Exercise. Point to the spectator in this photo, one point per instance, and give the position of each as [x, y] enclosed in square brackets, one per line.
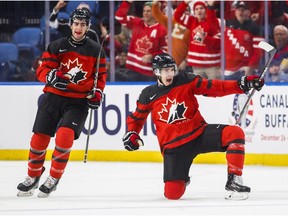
[280, 34]
[180, 34]
[62, 25]
[120, 64]
[275, 74]
[147, 40]
[256, 7]
[122, 57]
[242, 36]
[204, 47]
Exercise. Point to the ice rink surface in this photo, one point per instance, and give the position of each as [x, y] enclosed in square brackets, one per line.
[110, 188]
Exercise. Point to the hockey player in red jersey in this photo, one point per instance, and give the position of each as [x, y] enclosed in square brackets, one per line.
[68, 67]
[181, 130]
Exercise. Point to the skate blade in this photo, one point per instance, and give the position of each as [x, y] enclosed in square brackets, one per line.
[43, 195]
[234, 195]
[25, 193]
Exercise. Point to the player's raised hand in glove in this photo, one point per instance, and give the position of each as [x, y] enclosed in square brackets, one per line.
[57, 79]
[248, 82]
[95, 98]
[132, 141]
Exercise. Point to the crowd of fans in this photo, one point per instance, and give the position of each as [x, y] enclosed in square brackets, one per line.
[141, 32]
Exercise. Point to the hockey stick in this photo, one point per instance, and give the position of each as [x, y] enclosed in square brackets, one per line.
[93, 89]
[271, 50]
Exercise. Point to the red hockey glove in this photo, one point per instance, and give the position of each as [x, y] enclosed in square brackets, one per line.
[57, 79]
[132, 141]
[95, 98]
[248, 82]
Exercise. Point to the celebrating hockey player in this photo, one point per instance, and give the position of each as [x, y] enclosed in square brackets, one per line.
[181, 130]
[68, 67]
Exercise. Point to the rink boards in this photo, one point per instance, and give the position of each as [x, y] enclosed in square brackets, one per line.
[265, 124]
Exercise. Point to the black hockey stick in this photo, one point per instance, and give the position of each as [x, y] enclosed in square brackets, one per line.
[93, 89]
[271, 50]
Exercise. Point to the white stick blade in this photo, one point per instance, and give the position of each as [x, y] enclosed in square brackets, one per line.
[266, 46]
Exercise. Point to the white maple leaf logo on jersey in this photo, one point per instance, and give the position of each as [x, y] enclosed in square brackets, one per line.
[75, 71]
[143, 45]
[172, 111]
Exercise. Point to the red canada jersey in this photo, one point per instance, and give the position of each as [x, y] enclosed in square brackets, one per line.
[174, 109]
[145, 39]
[78, 61]
[206, 54]
[241, 45]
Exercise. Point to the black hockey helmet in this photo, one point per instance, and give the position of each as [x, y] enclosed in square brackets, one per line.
[80, 14]
[163, 60]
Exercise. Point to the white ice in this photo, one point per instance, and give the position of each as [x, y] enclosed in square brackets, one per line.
[111, 188]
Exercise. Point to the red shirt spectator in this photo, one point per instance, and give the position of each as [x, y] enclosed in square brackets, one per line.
[147, 40]
[242, 37]
[204, 47]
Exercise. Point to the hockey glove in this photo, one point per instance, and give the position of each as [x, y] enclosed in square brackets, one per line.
[57, 79]
[95, 98]
[248, 82]
[132, 141]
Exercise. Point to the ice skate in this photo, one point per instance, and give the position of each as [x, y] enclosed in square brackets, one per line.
[27, 187]
[235, 188]
[47, 187]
